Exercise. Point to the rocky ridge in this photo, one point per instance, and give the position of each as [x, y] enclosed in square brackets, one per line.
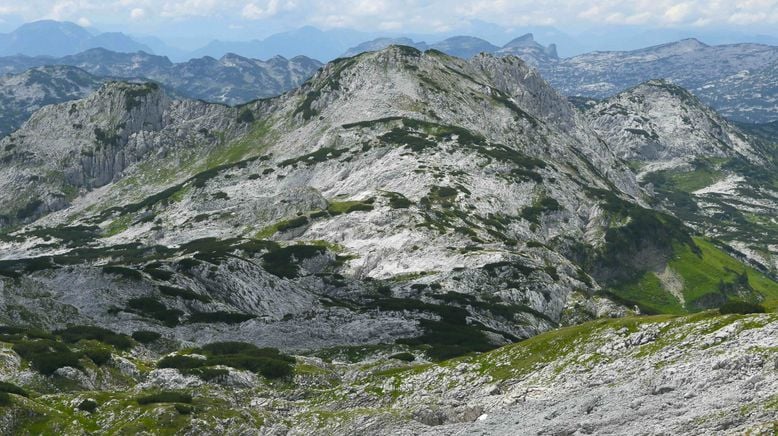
[23, 94]
[737, 80]
[466, 47]
[231, 79]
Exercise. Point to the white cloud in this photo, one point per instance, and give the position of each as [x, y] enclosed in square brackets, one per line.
[137, 14]
[84, 22]
[678, 13]
[410, 15]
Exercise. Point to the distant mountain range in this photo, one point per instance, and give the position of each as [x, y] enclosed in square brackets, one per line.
[738, 80]
[23, 94]
[308, 41]
[56, 38]
[232, 79]
[32, 82]
[524, 47]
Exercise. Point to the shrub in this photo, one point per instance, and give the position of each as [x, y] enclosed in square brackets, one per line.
[220, 316]
[48, 363]
[5, 399]
[399, 201]
[100, 356]
[87, 405]
[246, 116]
[127, 273]
[208, 374]
[165, 397]
[240, 355]
[19, 332]
[183, 409]
[405, 357]
[180, 362]
[268, 367]
[47, 356]
[186, 294]
[741, 307]
[83, 332]
[282, 262]
[11, 388]
[223, 348]
[155, 309]
[146, 336]
[159, 274]
[341, 207]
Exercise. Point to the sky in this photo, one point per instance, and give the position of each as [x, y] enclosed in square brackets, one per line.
[242, 19]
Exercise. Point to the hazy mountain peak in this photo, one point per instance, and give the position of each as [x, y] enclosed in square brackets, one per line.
[60, 38]
[522, 41]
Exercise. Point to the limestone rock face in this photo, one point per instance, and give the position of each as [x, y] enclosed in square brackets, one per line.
[658, 122]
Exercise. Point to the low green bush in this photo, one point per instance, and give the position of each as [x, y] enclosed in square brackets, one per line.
[208, 374]
[154, 308]
[186, 294]
[16, 334]
[183, 409]
[47, 356]
[282, 262]
[180, 362]
[741, 307]
[165, 397]
[83, 332]
[100, 356]
[159, 274]
[87, 405]
[11, 388]
[268, 367]
[127, 273]
[239, 355]
[220, 316]
[405, 357]
[146, 336]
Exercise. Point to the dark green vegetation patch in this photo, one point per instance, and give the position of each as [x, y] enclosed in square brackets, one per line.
[165, 397]
[741, 307]
[239, 355]
[146, 336]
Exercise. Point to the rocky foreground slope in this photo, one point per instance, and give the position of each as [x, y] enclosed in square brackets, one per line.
[400, 204]
[697, 375]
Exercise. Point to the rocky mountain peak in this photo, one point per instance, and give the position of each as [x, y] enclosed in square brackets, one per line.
[525, 40]
[660, 121]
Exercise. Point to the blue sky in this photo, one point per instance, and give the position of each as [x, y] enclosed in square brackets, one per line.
[241, 19]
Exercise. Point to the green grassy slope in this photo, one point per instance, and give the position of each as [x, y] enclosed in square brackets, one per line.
[708, 278]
